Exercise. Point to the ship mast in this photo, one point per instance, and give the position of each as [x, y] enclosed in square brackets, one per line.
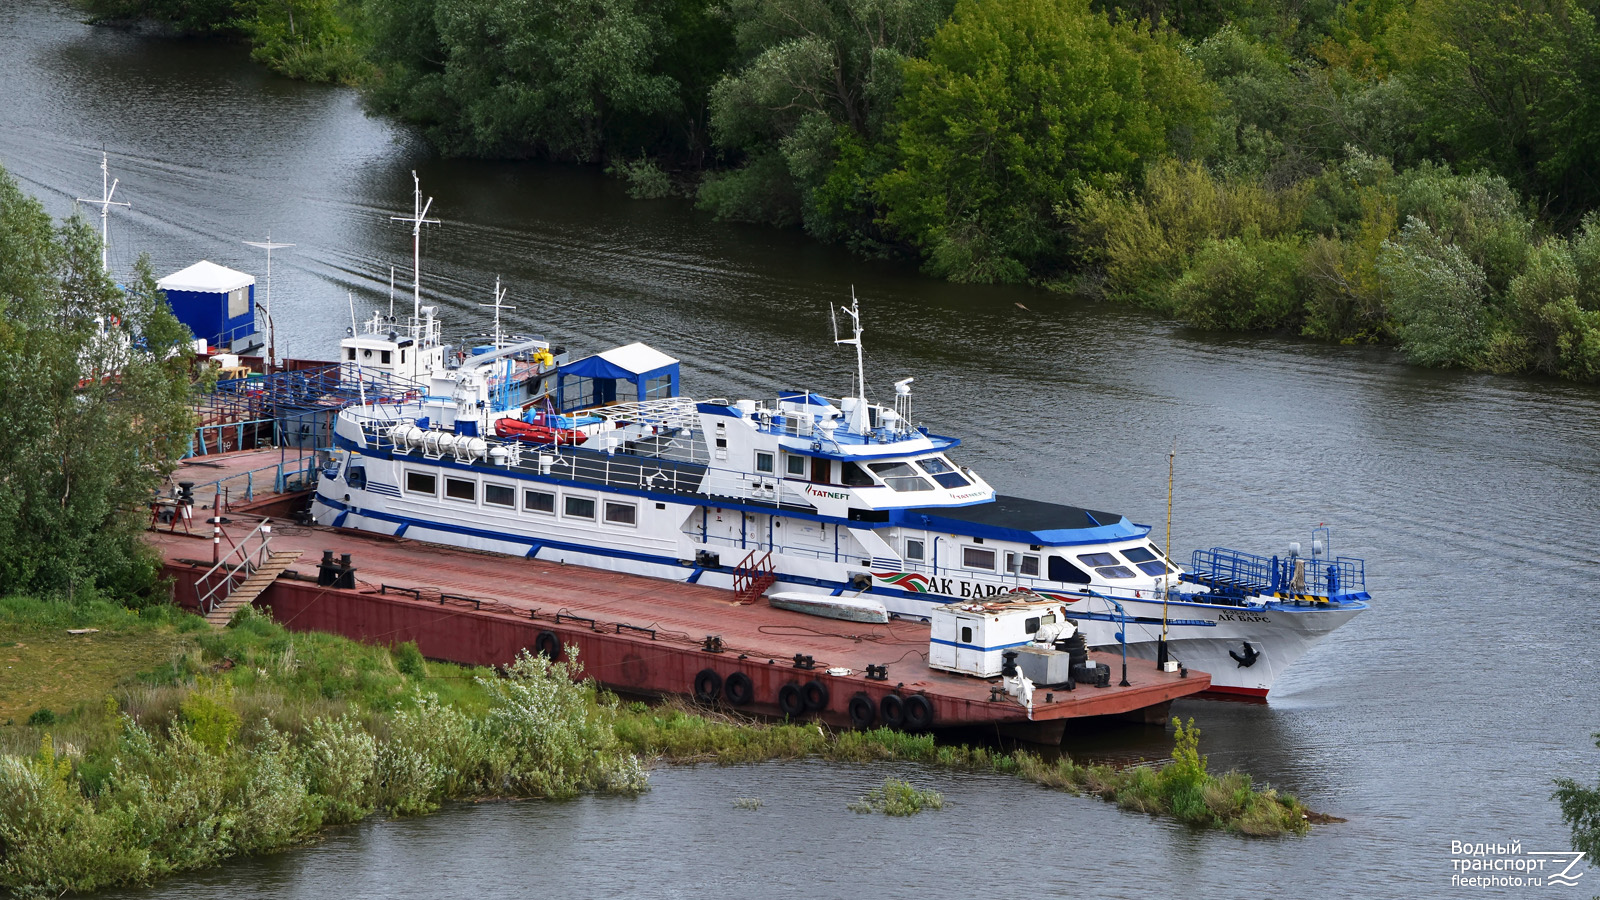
[108, 186]
[498, 304]
[858, 418]
[417, 219]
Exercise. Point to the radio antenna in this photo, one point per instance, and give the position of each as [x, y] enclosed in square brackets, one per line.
[416, 220]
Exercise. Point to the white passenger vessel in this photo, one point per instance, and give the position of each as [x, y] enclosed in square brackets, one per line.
[607, 465]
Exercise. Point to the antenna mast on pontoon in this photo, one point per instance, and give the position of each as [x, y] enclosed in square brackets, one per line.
[417, 219]
[108, 186]
[272, 330]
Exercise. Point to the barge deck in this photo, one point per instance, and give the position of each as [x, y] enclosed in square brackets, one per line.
[634, 634]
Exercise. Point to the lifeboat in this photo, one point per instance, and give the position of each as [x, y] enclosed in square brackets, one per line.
[537, 432]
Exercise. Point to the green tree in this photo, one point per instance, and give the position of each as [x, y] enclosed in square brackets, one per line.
[1580, 807]
[1439, 297]
[95, 382]
[194, 17]
[312, 40]
[485, 77]
[1020, 106]
[1513, 86]
[807, 106]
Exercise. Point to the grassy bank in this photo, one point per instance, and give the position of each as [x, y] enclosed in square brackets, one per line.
[155, 744]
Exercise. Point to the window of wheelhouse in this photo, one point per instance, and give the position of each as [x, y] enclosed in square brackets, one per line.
[1107, 565]
[942, 472]
[1145, 560]
[854, 476]
[900, 476]
[1063, 571]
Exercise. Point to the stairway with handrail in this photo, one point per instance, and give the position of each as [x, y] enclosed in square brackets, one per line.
[753, 576]
[241, 576]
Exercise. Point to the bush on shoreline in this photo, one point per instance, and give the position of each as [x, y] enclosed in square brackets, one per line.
[255, 738]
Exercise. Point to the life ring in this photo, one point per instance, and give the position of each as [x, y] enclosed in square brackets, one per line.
[893, 709]
[863, 712]
[548, 645]
[816, 695]
[919, 713]
[707, 686]
[739, 689]
[790, 700]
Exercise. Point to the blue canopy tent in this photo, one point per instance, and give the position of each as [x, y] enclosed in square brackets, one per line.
[620, 375]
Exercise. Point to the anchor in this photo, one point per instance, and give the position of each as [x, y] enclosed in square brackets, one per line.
[1248, 658]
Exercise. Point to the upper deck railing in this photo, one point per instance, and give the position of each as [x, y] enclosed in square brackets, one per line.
[1293, 576]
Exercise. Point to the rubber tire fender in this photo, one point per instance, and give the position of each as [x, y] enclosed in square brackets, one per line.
[548, 645]
[790, 701]
[738, 689]
[919, 713]
[707, 686]
[816, 695]
[893, 708]
[863, 712]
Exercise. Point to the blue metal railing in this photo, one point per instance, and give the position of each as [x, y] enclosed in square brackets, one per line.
[1234, 570]
[295, 472]
[285, 393]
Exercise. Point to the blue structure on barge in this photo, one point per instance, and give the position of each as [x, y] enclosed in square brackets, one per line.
[217, 303]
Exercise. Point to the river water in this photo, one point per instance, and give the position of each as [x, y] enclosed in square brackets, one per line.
[1442, 714]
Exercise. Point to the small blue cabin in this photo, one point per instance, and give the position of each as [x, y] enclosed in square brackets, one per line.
[620, 375]
[217, 303]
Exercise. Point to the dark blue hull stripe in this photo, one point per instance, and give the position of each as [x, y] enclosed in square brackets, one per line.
[834, 586]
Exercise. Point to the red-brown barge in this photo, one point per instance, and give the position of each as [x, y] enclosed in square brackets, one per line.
[634, 634]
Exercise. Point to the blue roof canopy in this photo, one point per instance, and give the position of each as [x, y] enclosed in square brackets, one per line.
[594, 380]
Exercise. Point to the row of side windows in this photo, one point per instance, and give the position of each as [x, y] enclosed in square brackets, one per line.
[982, 559]
[542, 502]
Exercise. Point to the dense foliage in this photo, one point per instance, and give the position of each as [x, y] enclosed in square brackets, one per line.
[1416, 172]
[95, 381]
[201, 760]
[1580, 807]
[253, 738]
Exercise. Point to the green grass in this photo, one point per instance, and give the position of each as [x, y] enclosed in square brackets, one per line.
[897, 797]
[273, 734]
